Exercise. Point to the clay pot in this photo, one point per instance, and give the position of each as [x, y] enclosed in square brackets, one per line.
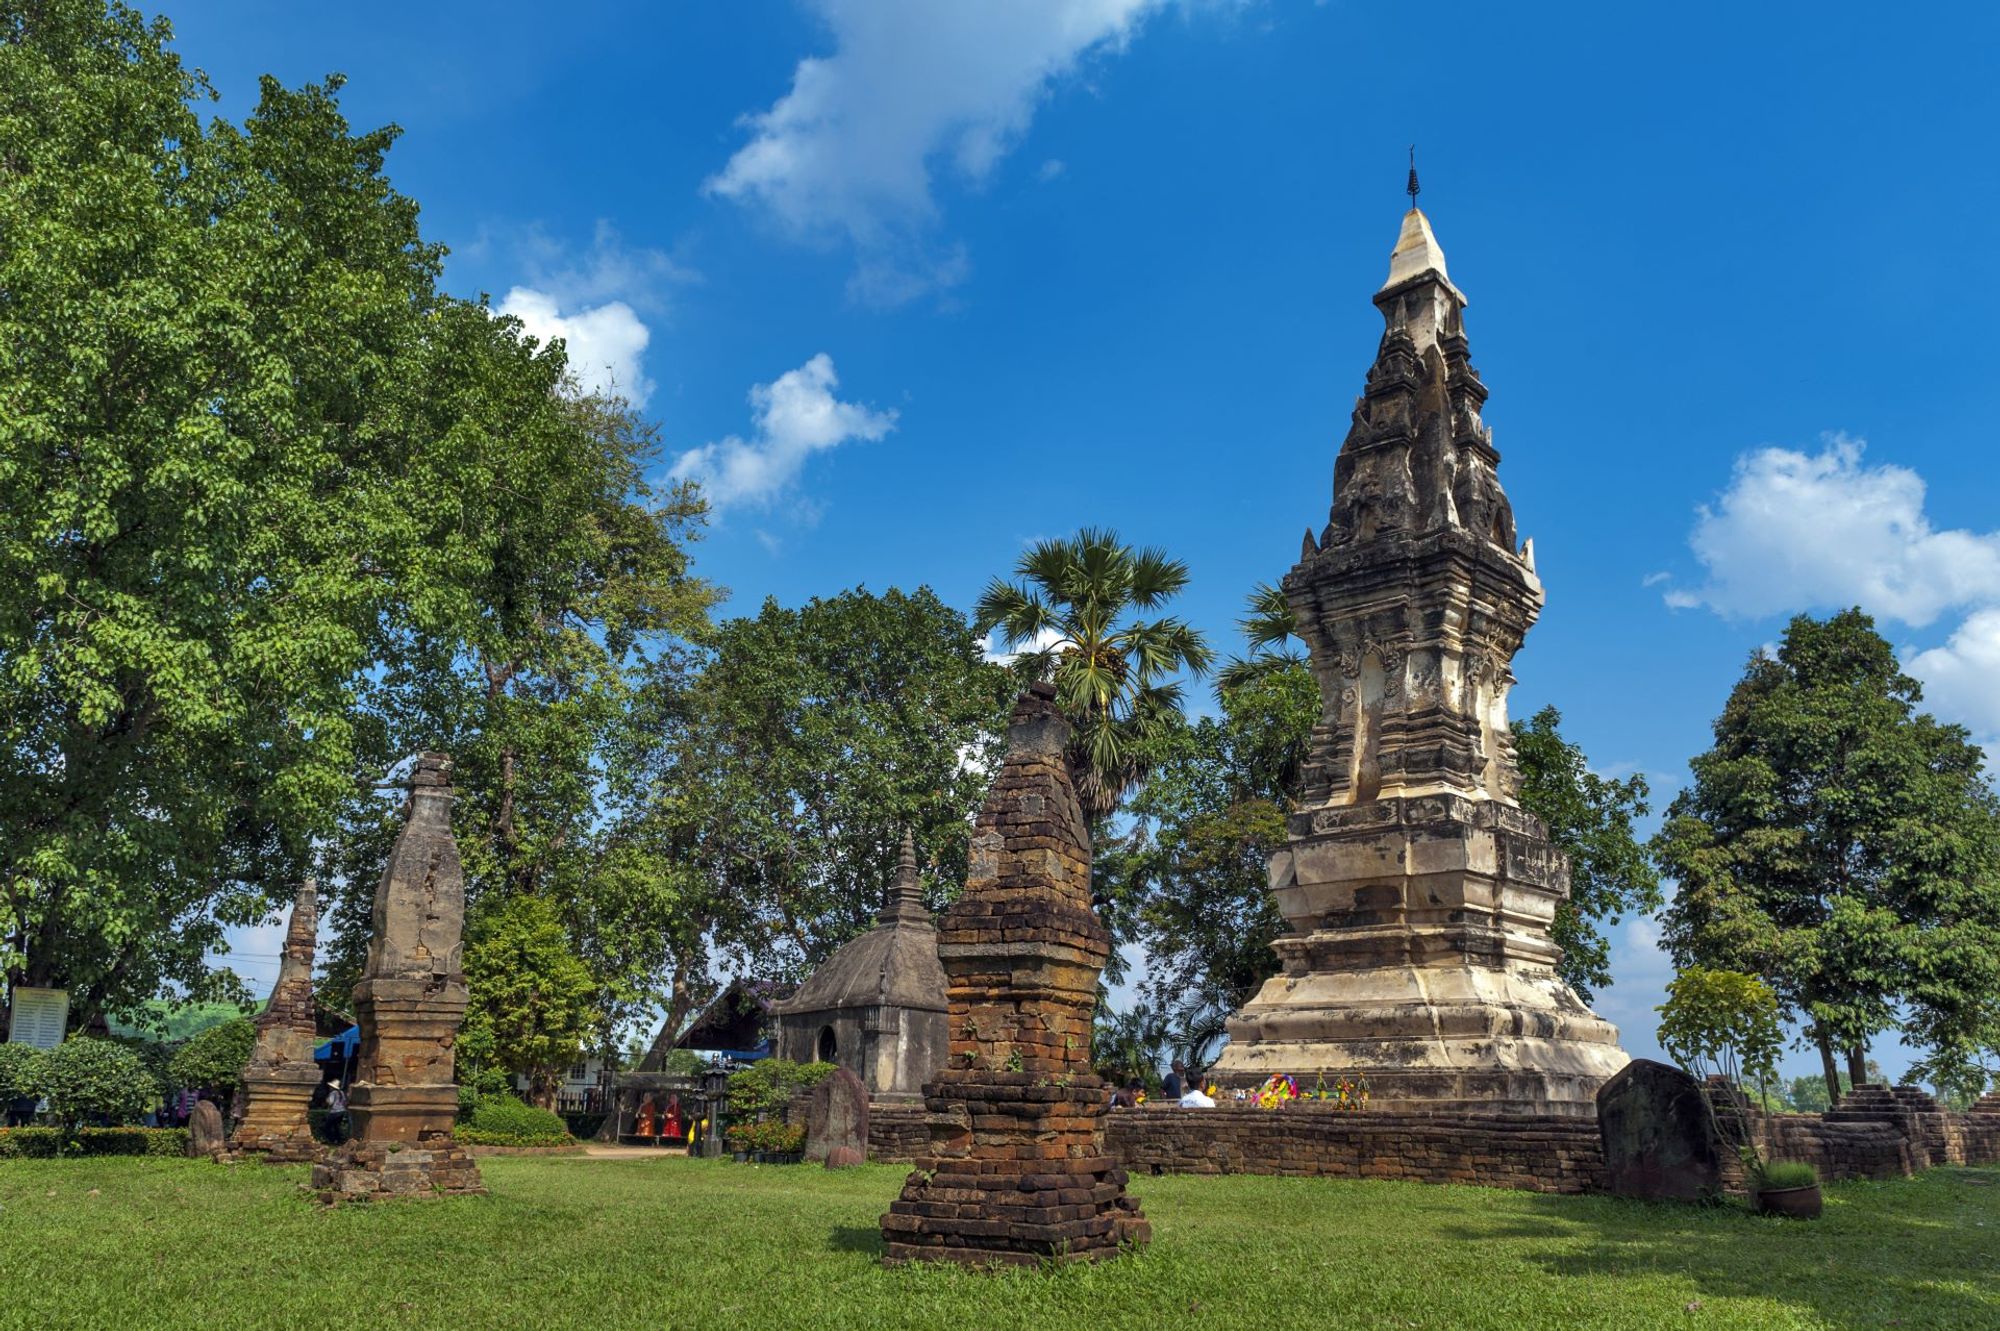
[1798, 1203]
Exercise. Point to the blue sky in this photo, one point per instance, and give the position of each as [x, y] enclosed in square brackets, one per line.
[910, 283]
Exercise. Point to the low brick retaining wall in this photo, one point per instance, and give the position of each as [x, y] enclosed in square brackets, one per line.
[1875, 1134]
[481, 1152]
[1537, 1154]
[896, 1133]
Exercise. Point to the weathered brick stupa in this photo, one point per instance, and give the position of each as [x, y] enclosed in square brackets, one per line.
[409, 1004]
[1418, 893]
[1017, 1172]
[280, 1078]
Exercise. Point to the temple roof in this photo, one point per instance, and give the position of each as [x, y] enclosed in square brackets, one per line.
[1417, 251]
[895, 964]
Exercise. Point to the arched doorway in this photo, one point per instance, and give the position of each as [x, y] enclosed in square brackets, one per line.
[829, 1046]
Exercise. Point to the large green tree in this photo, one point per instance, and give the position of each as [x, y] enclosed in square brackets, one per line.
[584, 589]
[531, 992]
[214, 498]
[770, 795]
[1843, 846]
[1075, 614]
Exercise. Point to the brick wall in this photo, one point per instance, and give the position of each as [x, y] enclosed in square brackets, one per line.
[897, 1133]
[1537, 1154]
[1885, 1138]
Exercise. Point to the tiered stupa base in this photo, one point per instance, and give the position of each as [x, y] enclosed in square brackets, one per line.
[1423, 965]
[1037, 1202]
[384, 1171]
[277, 1122]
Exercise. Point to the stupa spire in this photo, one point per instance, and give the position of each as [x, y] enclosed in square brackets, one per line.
[905, 900]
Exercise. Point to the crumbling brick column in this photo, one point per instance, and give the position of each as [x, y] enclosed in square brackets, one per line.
[1017, 1171]
[410, 1002]
[280, 1078]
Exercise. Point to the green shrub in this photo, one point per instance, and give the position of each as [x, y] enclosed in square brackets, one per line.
[471, 1136]
[502, 1120]
[49, 1143]
[17, 1072]
[1786, 1174]
[30, 1143]
[773, 1135]
[766, 1086]
[85, 1079]
[213, 1060]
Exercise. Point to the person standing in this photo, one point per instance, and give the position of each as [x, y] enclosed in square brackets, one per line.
[336, 1113]
[1176, 1082]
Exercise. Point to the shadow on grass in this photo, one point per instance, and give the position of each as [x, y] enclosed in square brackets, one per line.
[1894, 1254]
[856, 1238]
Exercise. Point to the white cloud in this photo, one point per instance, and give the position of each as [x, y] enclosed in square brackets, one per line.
[1962, 678]
[610, 270]
[606, 343]
[993, 649]
[794, 416]
[848, 152]
[1795, 530]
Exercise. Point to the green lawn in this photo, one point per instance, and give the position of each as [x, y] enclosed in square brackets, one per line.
[670, 1243]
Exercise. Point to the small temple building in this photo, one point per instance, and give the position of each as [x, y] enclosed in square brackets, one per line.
[877, 1006]
[1418, 893]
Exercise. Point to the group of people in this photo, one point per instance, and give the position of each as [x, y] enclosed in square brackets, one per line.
[1176, 1087]
[665, 1126]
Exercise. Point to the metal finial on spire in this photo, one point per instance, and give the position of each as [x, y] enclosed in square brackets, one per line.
[1411, 188]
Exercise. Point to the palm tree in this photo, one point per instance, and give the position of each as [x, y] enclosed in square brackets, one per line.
[1068, 618]
[1269, 625]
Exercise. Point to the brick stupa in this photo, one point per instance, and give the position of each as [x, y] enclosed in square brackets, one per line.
[1017, 1172]
[1419, 894]
[410, 1002]
[280, 1078]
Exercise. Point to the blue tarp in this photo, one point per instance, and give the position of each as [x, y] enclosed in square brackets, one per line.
[341, 1046]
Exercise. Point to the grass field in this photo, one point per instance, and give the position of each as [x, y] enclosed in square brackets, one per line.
[670, 1243]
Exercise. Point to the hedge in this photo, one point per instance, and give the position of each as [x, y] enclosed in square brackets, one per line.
[502, 1120]
[470, 1136]
[51, 1143]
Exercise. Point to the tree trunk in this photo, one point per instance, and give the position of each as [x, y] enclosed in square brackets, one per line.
[1825, 1044]
[1857, 1064]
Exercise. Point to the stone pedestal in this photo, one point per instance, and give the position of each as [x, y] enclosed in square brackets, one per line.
[386, 1171]
[277, 1124]
[1017, 1172]
[1422, 962]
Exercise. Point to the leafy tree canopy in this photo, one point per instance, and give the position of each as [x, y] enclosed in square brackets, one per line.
[770, 793]
[267, 498]
[213, 1059]
[1074, 614]
[531, 991]
[1845, 848]
[1590, 818]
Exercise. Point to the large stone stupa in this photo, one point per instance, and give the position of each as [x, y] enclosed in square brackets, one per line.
[1417, 891]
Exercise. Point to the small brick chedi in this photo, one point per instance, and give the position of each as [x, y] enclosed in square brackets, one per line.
[409, 1004]
[1017, 1171]
[280, 1078]
[1418, 893]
